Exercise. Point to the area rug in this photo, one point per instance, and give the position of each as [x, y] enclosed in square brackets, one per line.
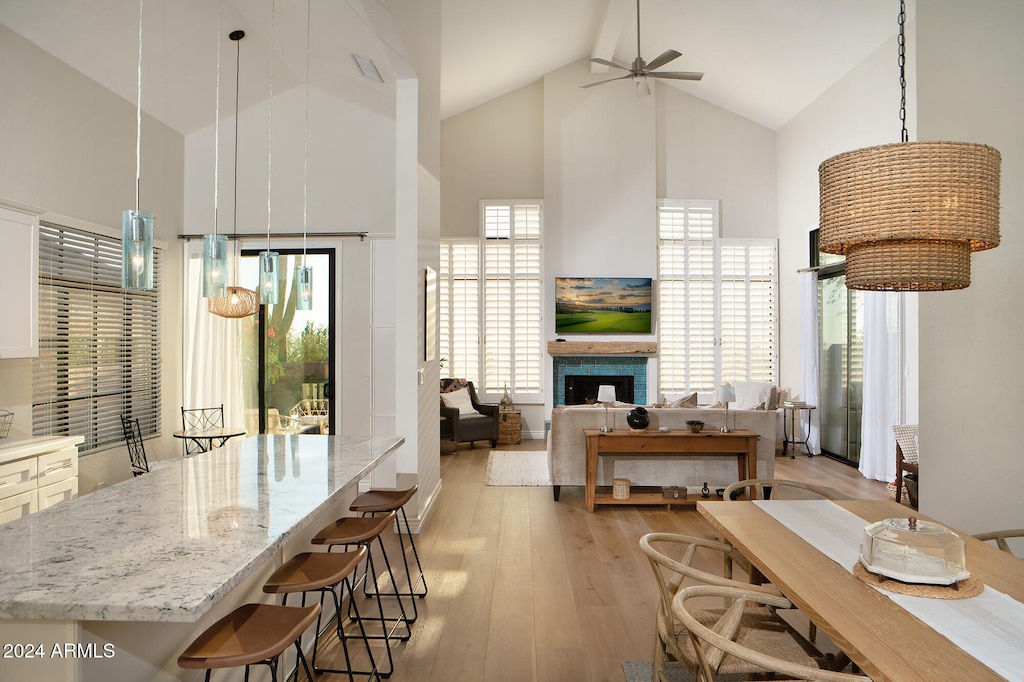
[642, 671]
[517, 467]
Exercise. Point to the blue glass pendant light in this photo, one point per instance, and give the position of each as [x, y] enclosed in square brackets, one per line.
[268, 290]
[303, 272]
[215, 246]
[136, 225]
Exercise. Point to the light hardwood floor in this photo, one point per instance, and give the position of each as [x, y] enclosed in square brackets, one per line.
[525, 588]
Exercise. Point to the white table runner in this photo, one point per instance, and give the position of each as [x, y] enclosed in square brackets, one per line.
[989, 627]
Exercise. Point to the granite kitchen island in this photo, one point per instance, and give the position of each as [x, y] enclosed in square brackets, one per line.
[121, 579]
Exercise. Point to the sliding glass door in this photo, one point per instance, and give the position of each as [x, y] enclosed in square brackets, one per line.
[290, 352]
[841, 367]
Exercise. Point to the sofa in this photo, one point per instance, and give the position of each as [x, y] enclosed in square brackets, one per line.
[567, 447]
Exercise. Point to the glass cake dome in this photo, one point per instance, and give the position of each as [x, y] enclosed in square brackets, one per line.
[914, 551]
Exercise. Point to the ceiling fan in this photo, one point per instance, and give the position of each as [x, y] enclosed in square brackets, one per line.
[641, 70]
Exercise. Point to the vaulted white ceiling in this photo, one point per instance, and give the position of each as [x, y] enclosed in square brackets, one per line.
[763, 59]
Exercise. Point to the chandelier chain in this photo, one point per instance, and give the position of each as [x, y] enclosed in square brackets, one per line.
[901, 43]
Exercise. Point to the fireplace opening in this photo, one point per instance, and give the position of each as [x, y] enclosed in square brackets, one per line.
[581, 389]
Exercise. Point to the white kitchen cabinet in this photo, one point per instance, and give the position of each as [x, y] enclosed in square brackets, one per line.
[19, 280]
[36, 473]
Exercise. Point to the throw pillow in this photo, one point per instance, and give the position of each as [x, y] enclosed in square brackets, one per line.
[459, 399]
[686, 401]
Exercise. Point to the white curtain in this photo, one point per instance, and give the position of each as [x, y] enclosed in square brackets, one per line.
[881, 396]
[211, 366]
[809, 355]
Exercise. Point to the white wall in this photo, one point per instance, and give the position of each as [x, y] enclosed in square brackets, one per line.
[351, 180]
[970, 89]
[706, 152]
[860, 110]
[493, 151]
[69, 146]
[600, 158]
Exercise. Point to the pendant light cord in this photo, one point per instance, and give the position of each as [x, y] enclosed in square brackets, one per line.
[901, 44]
[138, 118]
[216, 126]
[234, 174]
[270, 126]
[305, 146]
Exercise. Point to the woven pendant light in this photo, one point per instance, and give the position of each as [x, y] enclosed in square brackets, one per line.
[238, 302]
[908, 215]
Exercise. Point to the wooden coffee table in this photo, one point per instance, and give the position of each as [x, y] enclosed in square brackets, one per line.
[741, 444]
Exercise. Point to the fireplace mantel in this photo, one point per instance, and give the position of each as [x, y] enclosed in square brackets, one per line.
[619, 348]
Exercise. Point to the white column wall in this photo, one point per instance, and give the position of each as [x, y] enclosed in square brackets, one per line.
[970, 89]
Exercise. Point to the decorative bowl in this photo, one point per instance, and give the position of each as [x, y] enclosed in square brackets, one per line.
[694, 425]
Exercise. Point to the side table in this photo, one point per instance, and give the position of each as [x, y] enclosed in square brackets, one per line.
[789, 435]
[510, 427]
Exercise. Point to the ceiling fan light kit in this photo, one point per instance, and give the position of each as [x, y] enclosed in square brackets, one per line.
[640, 70]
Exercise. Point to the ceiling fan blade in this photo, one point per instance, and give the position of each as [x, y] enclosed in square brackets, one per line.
[590, 85]
[663, 59]
[606, 62]
[678, 75]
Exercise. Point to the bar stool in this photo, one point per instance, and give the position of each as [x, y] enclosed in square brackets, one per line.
[381, 502]
[324, 573]
[251, 634]
[362, 531]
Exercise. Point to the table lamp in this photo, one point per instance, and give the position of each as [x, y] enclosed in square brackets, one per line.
[605, 395]
[726, 394]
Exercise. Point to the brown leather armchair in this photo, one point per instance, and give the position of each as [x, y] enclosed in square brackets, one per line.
[466, 428]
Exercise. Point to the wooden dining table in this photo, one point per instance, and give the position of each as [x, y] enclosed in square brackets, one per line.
[879, 635]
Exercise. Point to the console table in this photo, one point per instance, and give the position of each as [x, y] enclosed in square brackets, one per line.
[741, 444]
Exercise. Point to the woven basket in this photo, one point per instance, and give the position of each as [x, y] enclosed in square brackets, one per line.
[620, 489]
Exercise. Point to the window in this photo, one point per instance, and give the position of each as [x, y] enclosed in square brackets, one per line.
[717, 301]
[490, 311]
[99, 346]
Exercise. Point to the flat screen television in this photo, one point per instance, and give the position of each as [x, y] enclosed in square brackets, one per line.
[603, 305]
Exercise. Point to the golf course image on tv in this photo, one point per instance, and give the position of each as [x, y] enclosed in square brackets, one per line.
[602, 305]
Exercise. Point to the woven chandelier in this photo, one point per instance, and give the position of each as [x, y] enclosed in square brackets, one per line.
[908, 215]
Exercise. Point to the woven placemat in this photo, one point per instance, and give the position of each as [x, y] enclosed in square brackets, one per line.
[966, 588]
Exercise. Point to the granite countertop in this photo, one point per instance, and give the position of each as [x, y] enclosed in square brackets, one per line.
[12, 449]
[166, 546]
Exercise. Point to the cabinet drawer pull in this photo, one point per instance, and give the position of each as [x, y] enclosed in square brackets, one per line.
[65, 465]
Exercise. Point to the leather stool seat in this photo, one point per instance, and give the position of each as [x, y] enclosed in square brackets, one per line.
[253, 633]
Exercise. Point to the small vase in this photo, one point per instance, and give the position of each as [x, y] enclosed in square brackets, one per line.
[638, 419]
[506, 400]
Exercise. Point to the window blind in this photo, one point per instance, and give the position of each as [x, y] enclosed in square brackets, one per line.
[459, 308]
[99, 346]
[491, 300]
[717, 301]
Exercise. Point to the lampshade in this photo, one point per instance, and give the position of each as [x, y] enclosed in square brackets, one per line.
[268, 277]
[908, 215]
[726, 393]
[137, 250]
[304, 287]
[238, 302]
[215, 265]
[605, 394]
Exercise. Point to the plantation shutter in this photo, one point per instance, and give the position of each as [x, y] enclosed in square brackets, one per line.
[491, 301]
[717, 302]
[459, 308]
[99, 345]
[748, 309]
[512, 297]
[686, 295]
